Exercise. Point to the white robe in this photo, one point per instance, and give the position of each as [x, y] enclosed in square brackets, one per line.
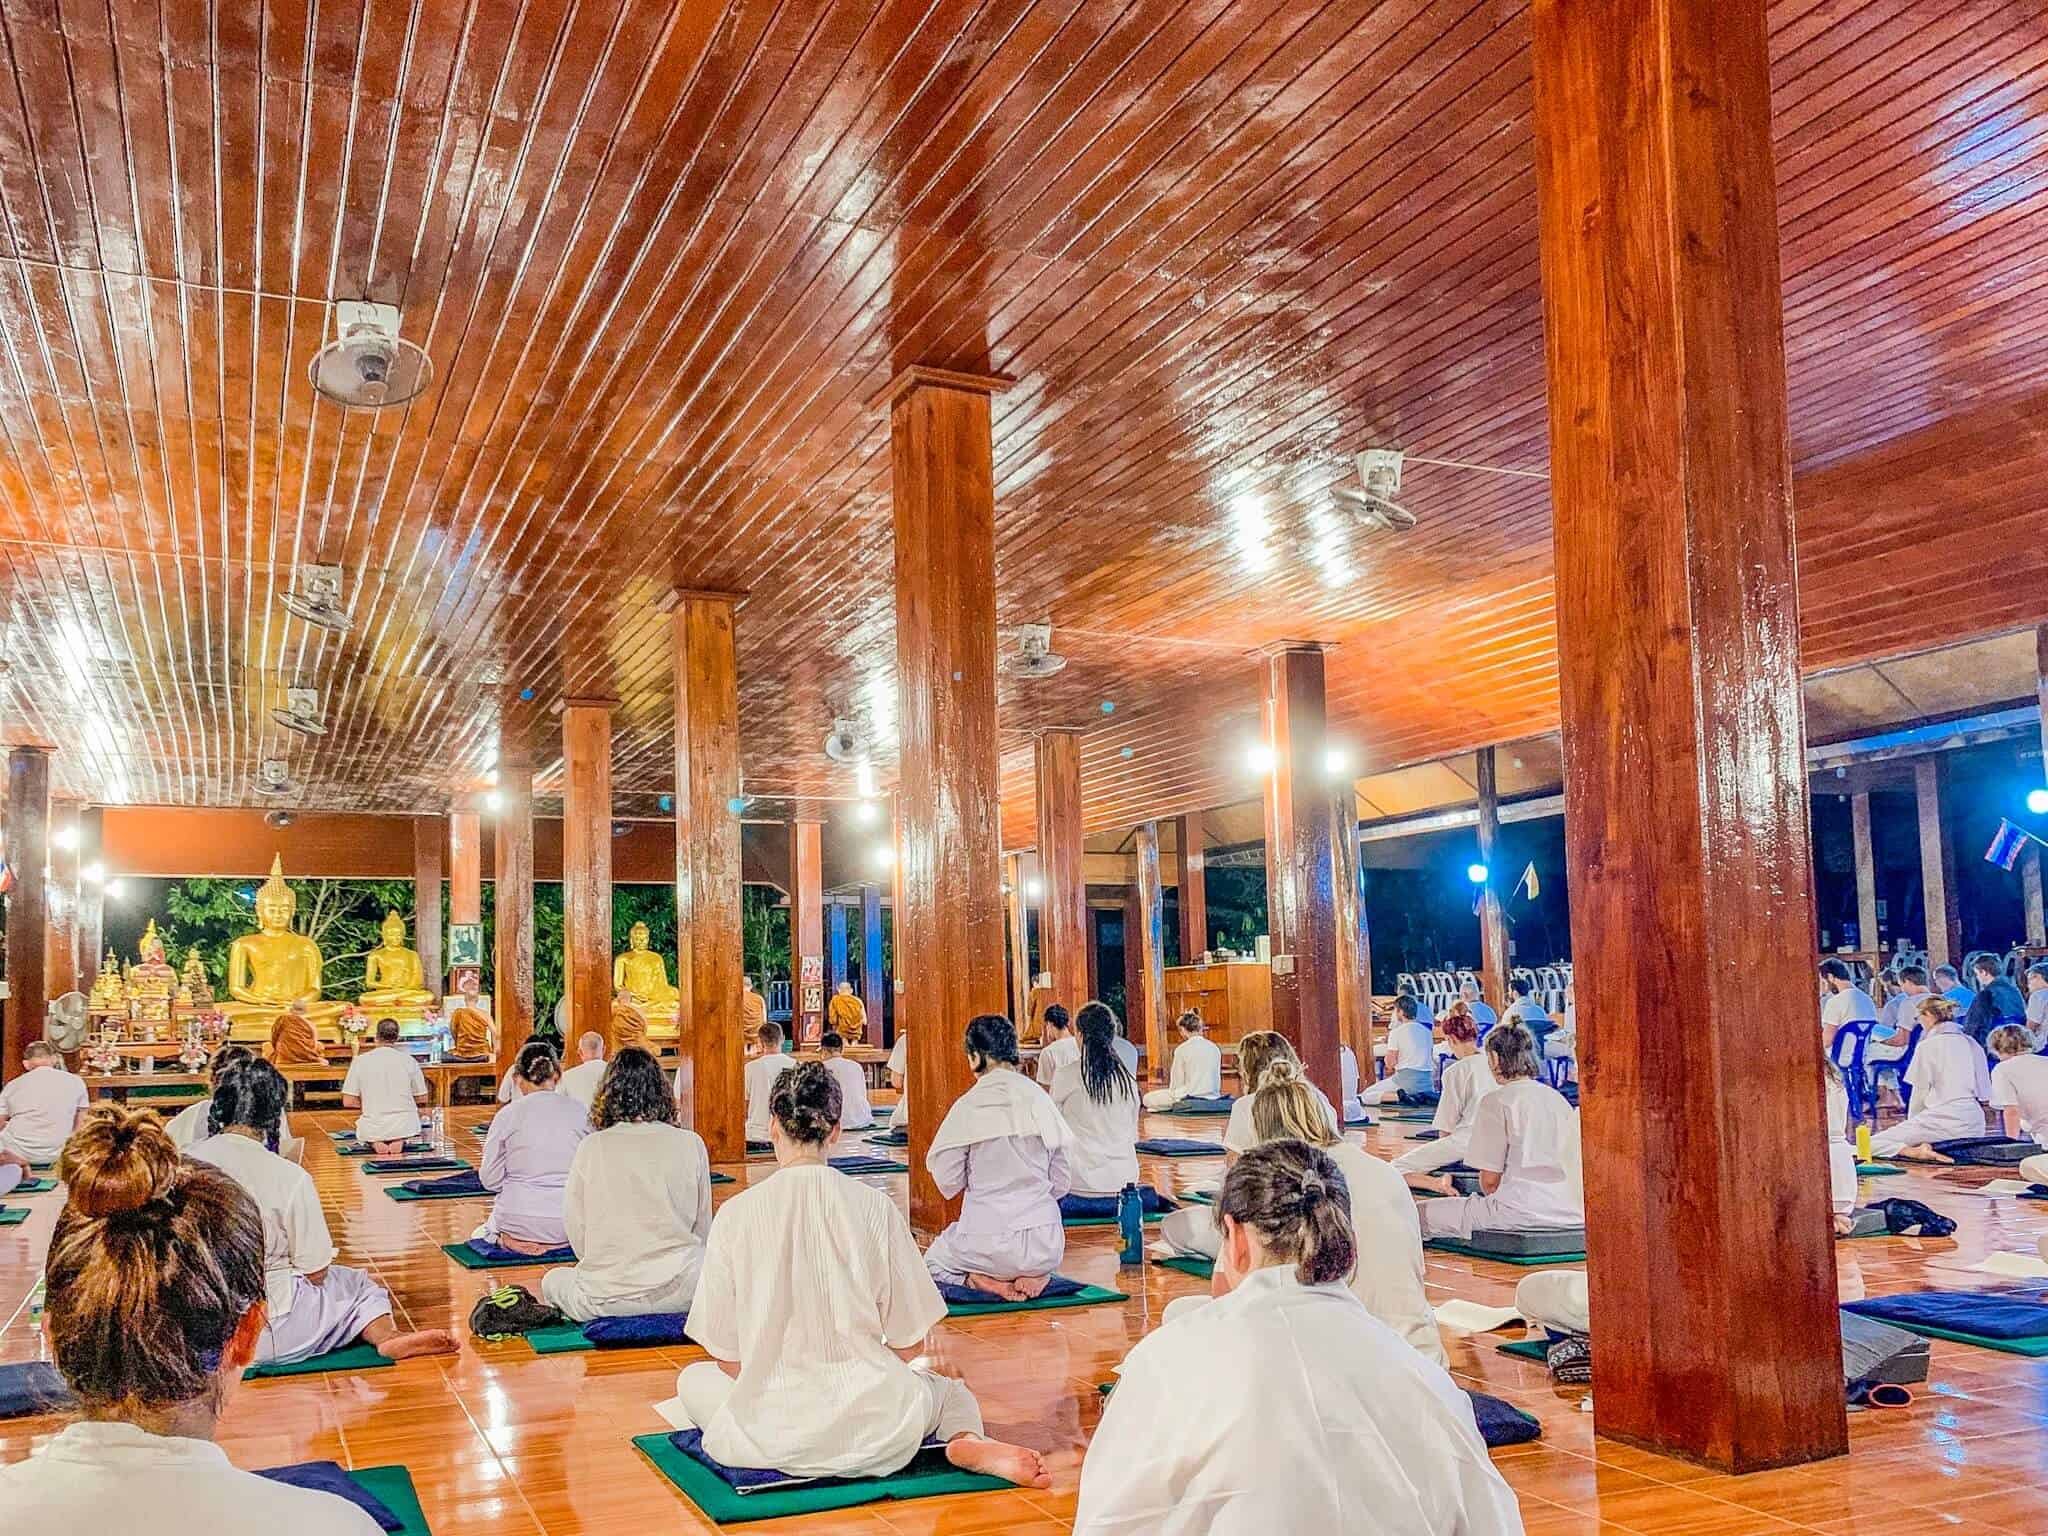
[527, 1153]
[1238, 1135]
[188, 1127]
[388, 1084]
[759, 1077]
[1841, 1152]
[1197, 1073]
[1104, 1154]
[582, 1081]
[899, 1066]
[2022, 1084]
[1526, 1132]
[1056, 1055]
[1284, 1408]
[115, 1479]
[1950, 1079]
[637, 1209]
[855, 1113]
[1467, 1080]
[1005, 1148]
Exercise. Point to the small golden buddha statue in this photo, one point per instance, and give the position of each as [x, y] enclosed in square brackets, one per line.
[641, 977]
[274, 969]
[392, 974]
[151, 983]
[109, 993]
[193, 986]
[846, 1015]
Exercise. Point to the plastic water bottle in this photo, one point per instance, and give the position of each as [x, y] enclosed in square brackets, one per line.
[1130, 1224]
[36, 1300]
[440, 1129]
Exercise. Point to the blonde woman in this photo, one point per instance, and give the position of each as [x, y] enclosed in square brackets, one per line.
[1951, 1081]
[1256, 1053]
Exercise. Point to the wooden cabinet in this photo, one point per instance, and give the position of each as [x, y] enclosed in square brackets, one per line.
[1234, 998]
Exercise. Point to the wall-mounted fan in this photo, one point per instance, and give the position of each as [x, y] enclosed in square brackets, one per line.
[301, 712]
[64, 1023]
[1034, 656]
[1371, 501]
[316, 598]
[369, 366]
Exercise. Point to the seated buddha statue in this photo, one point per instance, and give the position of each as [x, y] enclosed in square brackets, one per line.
[109, 994]
[392, 975]
[151, 983]
[641, 976]
[193, 986]
[846, 1015]
[274, 969]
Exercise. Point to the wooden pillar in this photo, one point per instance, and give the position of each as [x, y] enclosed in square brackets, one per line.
[512, 899]
[949, 917]
[1493, 918]
[466, 871]
[427, 833]
[1145, 933]
[586, 868]
[60, 945]
[1354, 946]
[872, 981]
[1064, 931]
[1020, 940]
[1300, 865]
[710, 954]
[27, 851]
[1866, 871]
[1937, 863]
[807, 929]
[1685, 779]
[2030, 861]
[92, 897]
[836, 957]
[1194, 899]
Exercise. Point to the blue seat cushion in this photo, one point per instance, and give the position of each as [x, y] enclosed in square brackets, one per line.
[464, 1183]
[1502, 1423]
[32, 1387]
[628, 1332]
[1094, 1207]
[1176, 1146]
[328, 1477]
[1986, 1314]
[973, 1296]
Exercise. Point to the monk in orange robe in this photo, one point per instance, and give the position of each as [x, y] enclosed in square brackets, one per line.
[294, 1043]
[846, 1015]
[471, 1028]
[629, 1026]
[753, 1010]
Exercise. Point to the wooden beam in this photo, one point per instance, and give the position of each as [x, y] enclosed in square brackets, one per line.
[1064, 933]
[60, 951]
[1019, 940]
[709, 945]
[466, 870]
[1493, 918]
[873, 984]
[949, 916]
[1300, 864]
[1685, 782]
[512, 1001]
[1865, 861]
[27, 851]
[427, 835]
[1194, 902]
[807, 929]
[1146, 1003]
[1937, 862]
[587, 867]
[1354, 947]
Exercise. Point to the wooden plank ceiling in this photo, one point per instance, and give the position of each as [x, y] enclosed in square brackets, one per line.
[663, 257]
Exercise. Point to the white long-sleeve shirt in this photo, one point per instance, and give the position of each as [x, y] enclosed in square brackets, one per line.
[1197, 1069]
[295, 1236]
[388, 1084]
[527, 1153]
[1104, 1156]
[855, 1112]
[637, 1208]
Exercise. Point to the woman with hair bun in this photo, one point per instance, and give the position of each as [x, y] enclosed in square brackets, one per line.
[527, 1153]
[1951, 1082]
[156, 1301]
[1283, 1404]
[313, 1304]
[812, 1298]
[1525, 1144]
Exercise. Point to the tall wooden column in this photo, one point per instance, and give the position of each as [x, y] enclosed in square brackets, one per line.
[1493, 918]
[949, 914]
[710, 955]
[807, 929]
[2030, 861]
[27, 851]
[60, 946]
[1354, 946]
[512, 902]
[427, 835]
[1712, 1267]
[1063, 928]
[1937, 863]
[1146, 1004]
[1865, 860]
[873, 983]
[466, 869]
[1300, 864]
[1194, 896]
[92, 897]
[1014, 910]
[586, 868]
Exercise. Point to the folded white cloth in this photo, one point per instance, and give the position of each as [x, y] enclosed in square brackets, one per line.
[1002, 1104]
[1462, 1316]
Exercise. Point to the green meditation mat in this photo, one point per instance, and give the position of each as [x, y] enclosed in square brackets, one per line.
[34, 1187]
[723, 1178]
[719, 1502]
[357, 1357]
[415, 1165]
[352, 1148]
[1107, 1221]
[393, 1487]
[1087, 1296]
[1187, 1264]
[2034, 1347]
[1886, 1170]
[1197, 1197]
[400, 1193]
[1408, 1116]
[1520, 1260]
[1528, 1349]
[559, 1339]
[13, 1215]
[469, 1258]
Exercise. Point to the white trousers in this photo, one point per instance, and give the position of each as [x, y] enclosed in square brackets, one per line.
[565, 1287]
[1406, 1080]
[1161, 1098]
[1947, 1122]
[1842, 1177]
[2035, 1169]
[703, 1388]
[1428, 1156]
[1191, 1232]
[35, 1153]
[328, 1316]
[1555, 1299]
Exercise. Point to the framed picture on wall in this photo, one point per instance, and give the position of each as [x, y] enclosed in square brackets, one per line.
[465, 944]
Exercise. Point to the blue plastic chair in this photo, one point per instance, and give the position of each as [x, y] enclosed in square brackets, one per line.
[1898, 1071]
[1857, 1034]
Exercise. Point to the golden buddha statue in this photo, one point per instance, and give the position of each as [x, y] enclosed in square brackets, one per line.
[151, 983]
[109, 996]
[392, 976]
[194, 988]
[274, 969]
[846, 1015]
[641, 976]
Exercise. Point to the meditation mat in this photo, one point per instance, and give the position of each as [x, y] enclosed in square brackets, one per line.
[722, 1178]
[1502, 1423]
[1174, 1146]
[1528, 1349]
[1876, 1170]
[1199, 1197]
[354, 1148]
[655, 1330]
[1419, 1116]
[767, 1148]
[1059, 1292]
[13, 1215]
[1100, 1210]
[713, 1489]
[33, 1187]
[2012, 1322]
[1429, 1135]
[33, 1387]
[392, 1487]
[455, 1186]
[356, 1357]
[478, 1254]
[1188, 1264]
[1520, 1248]
[1198, 1106]
[855, 1164]
[416, 1165]
[892, 1138]
[329, 1477]
[1987, 1152]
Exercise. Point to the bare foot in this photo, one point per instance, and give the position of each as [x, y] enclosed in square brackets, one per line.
[428, 1341]
[1030, 1287]
[1013, 1463]
[387, 1148]
[1433, 1185]
[1844, 1225]
[1004, 1288]
[521, 1245]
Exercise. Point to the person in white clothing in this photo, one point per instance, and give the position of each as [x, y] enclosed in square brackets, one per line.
[1060, 1045]
[1842, 1002]
[1468, 1079]
[638, 1202]
[387, 1089]
[2036, 980]
[759, 1077]
[1003, 1148]
[1284, 1405]
[190, 1124]
[40, 1108]
[312, 1305]
[506, 1087]
[1256, 1051]
[1894, 1026]
[580, 1081]
[527, 1153]
[2019, 1085]
[1197, 1071]
[1562, 1044]
[1841, 1151]
[1556, 1300]
[1411, 1058]
[1525, 1144]
[1126, 1052]
[814, 1290]
[1950, 1079]
[1098, 1097]
[853, 1082]
[155, 1308]
[899, 1079]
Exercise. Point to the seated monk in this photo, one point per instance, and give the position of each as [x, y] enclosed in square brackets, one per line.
[846, 1016]
[629, 1026]
[471, 1028]
[293, 1042]
[753, 1011]
[1042, 997]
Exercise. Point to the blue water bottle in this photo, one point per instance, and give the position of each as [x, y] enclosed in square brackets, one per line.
[1130, 1222]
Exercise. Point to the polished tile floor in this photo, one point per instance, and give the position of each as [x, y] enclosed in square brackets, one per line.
[503, 1442]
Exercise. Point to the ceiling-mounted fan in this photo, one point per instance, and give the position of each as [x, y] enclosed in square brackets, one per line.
[1371, 501]
[316, 598]
[369, 366]
[301, 712]
[1034, 656]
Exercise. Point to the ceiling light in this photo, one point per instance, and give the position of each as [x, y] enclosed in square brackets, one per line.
[117, 889]
[494, 801]
[884, 856]
[864, 779]
[1336, 762]
[2037, 801]
[866, 813]
[65, 837]
[1476, 873]
[1033, 889]
[1259, 758]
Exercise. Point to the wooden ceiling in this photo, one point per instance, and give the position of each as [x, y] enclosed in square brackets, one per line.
[664, 257]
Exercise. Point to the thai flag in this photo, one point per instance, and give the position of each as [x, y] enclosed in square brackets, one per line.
[6, 877]
[2007, 846]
